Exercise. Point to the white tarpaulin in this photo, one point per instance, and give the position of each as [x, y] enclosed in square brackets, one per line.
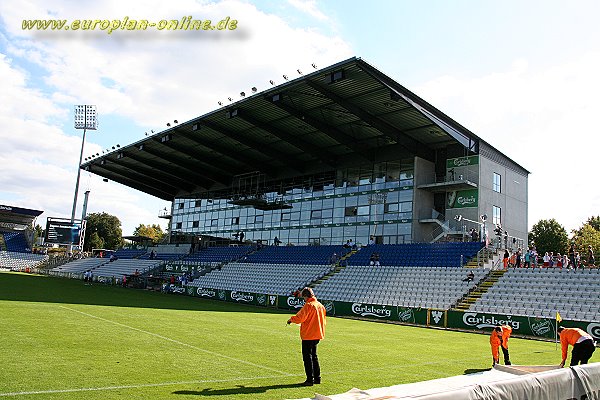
[500, 383]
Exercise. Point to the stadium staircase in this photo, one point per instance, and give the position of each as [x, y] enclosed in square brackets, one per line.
[482, 287]
[483, 257]
[339, 266]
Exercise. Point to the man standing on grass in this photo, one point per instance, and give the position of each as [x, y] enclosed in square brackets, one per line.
[499, 338]
[583, 345]
[311, 318]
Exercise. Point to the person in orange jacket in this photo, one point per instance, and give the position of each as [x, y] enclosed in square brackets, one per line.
[499, 338]
[311, 318]
[582, 342]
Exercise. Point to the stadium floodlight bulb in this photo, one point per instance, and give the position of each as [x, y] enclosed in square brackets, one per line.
[86, 117]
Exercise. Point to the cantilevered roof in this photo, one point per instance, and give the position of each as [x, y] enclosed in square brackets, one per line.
[16, 217]
[346, 114]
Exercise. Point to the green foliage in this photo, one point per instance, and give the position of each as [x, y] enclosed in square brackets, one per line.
[548, 235]
[584, 237]
[38, 232]
[107, 342]
[103, 231]
[154, 232]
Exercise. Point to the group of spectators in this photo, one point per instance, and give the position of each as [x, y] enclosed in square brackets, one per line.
[531, 258]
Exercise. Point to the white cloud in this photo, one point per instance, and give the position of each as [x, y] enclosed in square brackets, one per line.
[309, 7]
[146, 77]
[545, 120]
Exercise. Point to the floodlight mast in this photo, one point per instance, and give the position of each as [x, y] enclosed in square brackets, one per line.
[85, 118]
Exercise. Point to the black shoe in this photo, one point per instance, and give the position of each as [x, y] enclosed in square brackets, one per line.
[317, 381]
[306, 383]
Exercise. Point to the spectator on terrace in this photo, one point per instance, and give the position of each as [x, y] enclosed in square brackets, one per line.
[546, 259]
[113, 258]
[371, 241]
[505, 259]
[577, 260]
[152, 255]
[559, 260]
[124, 281]
[374, 260]
[137, 272]
[172, 279]
[590, 258]
[518, 258]
[534, 257]
[276, 241]
[242, 237]
[334, 259]
[551, 261]
[572, 255]
[347, 245]
[474, 235]
[565, 261]
[528, 258]
[470, 277]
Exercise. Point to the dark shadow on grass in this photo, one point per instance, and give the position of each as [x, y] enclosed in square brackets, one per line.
[475, 370]
[239, 389]
[45, 289]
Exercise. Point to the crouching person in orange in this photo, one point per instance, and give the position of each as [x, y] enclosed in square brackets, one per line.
[499, 338]
[311, 318]
[583, 345]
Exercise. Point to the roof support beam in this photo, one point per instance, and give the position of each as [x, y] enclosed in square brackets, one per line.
[339, 136]
[255, 164]
[293, 140]
[118, 177]
[263, 148]
[132, 173]
[175, 166]
[215, 164]
[195, 166]
[156, 174]
[382, 126]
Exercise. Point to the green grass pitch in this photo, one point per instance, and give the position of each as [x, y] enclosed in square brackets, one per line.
[61, 339]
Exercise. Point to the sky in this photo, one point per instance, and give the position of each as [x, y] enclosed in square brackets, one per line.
[523, 76]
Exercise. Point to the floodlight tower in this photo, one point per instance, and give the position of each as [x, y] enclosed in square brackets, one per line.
[85, 118]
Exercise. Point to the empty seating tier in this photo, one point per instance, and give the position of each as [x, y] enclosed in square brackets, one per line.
[575, 294]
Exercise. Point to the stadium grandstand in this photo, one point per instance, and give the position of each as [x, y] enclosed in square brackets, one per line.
[345, 181]
[16, 238]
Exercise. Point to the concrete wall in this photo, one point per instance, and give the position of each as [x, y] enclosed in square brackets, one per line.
[424, 172]
[512, 199]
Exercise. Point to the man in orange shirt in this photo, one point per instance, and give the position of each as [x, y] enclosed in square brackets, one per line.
[499, 337]
[311, 318]
[583, 345]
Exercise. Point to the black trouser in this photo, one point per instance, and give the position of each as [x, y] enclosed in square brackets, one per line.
[311, 361]
[582, 352]
[506, 356]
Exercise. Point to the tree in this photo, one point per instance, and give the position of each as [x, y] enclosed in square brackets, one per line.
[586, 236]
[104, 231]
[593, 222]
[154, 232]
[549, 235]
[38, 232]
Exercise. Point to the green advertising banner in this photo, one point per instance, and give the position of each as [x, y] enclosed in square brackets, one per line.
[461, 161]
[527, 326]
[530, 326]
[436, 318]
[462, 198]
[364, 310]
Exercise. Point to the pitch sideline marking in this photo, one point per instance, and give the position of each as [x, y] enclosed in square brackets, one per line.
[142, 385]
[215, 380]
[181, 343]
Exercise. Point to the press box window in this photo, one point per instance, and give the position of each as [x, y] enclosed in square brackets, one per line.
[214, 222]
[258, 218]
[350, 211]
[195, 224]
[180, 206]
[235, 221]
[178, 225]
